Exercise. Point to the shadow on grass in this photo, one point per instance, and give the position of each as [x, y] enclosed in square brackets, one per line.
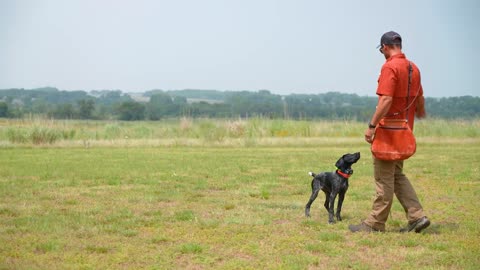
[438, 228]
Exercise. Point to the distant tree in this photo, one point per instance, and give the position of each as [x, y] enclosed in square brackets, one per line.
[262, 103]
[3, 109]
[131, 111]
[112, 97]
[63, 111]
[153, 92]
[106, 101]
[179, 100]
[86, 108]
[162, 105]
[39, 106]
[106, 104]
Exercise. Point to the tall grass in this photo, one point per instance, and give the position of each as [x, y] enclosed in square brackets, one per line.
[38, 135]
[44, 131]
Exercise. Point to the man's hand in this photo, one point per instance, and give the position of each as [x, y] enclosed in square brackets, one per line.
[369, 133]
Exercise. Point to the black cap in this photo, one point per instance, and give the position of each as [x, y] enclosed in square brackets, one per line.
[390, 38]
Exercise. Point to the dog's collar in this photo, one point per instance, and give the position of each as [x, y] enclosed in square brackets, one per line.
[342, 174]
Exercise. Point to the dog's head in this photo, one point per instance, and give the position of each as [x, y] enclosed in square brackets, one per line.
[346, 161]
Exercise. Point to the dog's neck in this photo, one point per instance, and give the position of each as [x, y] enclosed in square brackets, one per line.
[345, 174]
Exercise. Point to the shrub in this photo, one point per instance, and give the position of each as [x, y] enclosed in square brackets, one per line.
[37, 135]
[41, 135]
[16, 135]
[112, 131]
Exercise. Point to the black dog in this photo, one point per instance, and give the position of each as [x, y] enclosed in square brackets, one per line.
[333, 183]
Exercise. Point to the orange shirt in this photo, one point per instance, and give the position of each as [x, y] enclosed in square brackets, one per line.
[393, 82]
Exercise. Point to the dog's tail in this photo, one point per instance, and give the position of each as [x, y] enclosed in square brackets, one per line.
[312, 174]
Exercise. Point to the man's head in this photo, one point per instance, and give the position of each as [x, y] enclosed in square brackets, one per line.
[390, 44]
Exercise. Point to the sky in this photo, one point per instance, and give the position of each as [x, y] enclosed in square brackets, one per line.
[295, 46]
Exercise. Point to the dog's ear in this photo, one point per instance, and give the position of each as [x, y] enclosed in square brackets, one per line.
[340, 162]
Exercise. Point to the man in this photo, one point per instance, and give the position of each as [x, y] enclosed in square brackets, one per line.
[393, 103]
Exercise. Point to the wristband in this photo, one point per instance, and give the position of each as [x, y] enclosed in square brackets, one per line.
[371, 126]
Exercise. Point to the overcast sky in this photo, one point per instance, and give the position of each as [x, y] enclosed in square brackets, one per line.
[296, 46]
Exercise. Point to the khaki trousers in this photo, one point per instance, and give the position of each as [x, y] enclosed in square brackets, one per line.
[389, 180]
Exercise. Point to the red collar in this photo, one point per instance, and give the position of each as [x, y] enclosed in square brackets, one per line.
[342, 174]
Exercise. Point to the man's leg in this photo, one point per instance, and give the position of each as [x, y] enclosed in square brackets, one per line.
[384, 172]
[406, 195]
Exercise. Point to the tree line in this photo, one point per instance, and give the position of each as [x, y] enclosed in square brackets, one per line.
[158, 104]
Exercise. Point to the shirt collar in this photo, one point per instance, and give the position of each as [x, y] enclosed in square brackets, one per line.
[400, 56]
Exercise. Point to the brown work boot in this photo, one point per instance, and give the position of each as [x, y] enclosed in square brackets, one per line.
[362, 227]
[418, 225]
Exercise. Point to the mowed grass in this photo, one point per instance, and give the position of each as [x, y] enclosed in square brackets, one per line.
[229, 207]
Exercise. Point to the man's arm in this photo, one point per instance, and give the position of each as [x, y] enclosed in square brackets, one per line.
[384, 103]
[420, 107]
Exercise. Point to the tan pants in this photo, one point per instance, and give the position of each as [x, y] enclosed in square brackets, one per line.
[389, 180]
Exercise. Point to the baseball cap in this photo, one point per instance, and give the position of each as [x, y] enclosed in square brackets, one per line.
[390, 38]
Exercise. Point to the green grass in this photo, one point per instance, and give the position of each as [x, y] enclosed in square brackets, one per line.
[227, 207]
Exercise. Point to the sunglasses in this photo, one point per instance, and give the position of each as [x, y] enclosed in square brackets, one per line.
[381, 49]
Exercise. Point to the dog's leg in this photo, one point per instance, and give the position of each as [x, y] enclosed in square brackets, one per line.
[315, 189]
[331, 207]
[312, 198]
[341, 197]
[327, 200]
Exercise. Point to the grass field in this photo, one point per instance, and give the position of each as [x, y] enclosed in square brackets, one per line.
[226, 202]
